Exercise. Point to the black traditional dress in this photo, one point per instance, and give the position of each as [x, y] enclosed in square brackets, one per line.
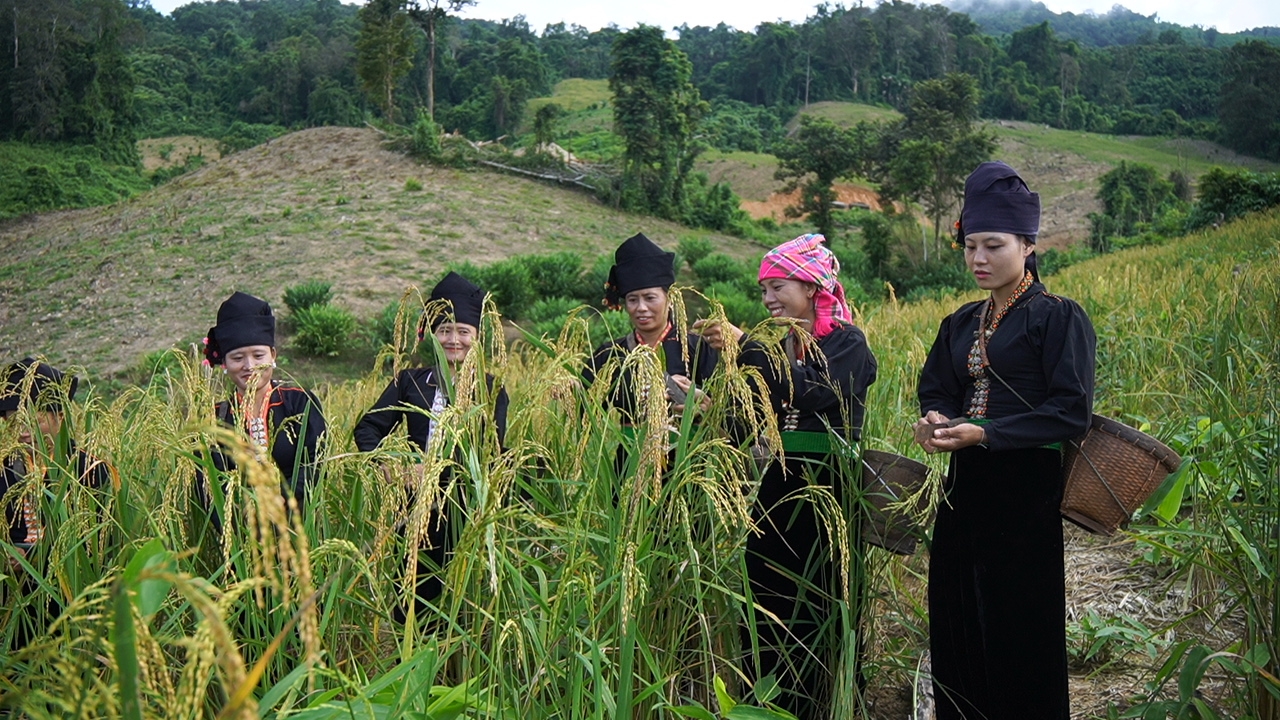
[27, 527]
[22, 514]
[410, 392]
[698, 366]
[289, 426]
[790, 565]
[997, 601]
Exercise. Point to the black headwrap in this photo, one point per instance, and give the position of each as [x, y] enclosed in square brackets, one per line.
[997, 199]
[243, 320]
[637, 264]
[465, 297]
[43, 378]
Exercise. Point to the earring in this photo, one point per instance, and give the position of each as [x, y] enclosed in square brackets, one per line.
[273, 363]
[224, 369]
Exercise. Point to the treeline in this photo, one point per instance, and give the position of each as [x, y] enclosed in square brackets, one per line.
[1118, 26]
[1161, 86]
[103, 71]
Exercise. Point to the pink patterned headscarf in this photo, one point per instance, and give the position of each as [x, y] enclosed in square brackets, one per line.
[808, 260]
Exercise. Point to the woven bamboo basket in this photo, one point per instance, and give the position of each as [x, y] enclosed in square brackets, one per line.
[888, 479]
[1110, 472]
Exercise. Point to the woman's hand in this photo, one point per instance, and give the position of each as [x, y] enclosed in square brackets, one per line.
[717, 334]
[704, 400]
[947, 439]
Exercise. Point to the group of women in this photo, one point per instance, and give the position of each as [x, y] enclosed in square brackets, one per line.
[1007, 380]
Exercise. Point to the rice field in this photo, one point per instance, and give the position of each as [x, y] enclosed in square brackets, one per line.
[589, 582]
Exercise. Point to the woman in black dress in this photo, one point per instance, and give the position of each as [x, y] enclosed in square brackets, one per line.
[639, 283]
[1008, 380]
[281, 420]
[821, 391]
[417, 396]
[33, 396]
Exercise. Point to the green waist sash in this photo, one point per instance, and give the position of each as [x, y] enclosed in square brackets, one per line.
[816, 443]
[984, 421]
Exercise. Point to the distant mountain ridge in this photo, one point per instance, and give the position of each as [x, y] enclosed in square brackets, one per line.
[1119, 26]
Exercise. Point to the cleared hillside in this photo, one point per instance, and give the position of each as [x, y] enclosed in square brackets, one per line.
[103, 286]
[1062, 165]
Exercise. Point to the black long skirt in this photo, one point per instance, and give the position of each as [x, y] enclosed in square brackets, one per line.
[997, 596]
[793, 577]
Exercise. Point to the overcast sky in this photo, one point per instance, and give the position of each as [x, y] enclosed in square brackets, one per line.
[1226, 15]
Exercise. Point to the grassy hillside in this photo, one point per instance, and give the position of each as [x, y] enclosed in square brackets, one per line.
[101, 287]
[574, 95]
[1062, 165]
[844, 113]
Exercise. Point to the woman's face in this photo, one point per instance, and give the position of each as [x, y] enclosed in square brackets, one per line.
[47, 423]
[244, 362]
[648, 309]
[456, 339]
[997, 260]
[788, 298]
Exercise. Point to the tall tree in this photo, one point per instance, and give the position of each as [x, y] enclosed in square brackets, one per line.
[925, 157]
[656, 110]
[384, 51]
[430, 15]
[819, 153]
[1250, 109]
[850, 38]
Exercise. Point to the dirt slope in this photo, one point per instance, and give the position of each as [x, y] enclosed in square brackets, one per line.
[103, 286]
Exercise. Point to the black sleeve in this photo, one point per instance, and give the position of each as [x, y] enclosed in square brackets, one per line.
[755, 354]
[848, 370]
[500, 415]
[704, 360]
[815, 388]
[222, 460]
[598, 359]
[1069, 348]
[939, 388]
[382, 418]
[95, 473]
[316, 427]
[302, 422]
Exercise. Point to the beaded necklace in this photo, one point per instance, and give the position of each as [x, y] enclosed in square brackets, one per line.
[977, 361]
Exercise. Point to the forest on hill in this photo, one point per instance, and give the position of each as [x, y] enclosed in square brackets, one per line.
[106, 72]
[1118, 26]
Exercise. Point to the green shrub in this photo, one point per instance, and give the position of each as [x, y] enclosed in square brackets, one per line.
[512, 287]
[693, 249]
[547, 316]
[382, 329]
[553, 308]
[308, 294]
[412, 185]
[608, 325]
[715, 206]
[34, 178]
[426, 138]
[1052, 260]
[556, 274]
[242, 135]
[323, 330]
[165, 174]
[1224, 195]
[590, 288]
[945, 273]
[720, 268]
[742, 309]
